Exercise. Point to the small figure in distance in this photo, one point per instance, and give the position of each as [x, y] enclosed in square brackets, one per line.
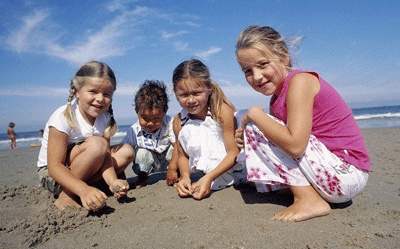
[12, 135]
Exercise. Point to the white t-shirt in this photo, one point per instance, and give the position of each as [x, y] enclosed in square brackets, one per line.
[58, 121]
[157, 141]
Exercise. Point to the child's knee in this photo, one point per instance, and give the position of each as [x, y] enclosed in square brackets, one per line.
[128, 152]
[144, 156]
[123, 151]
[123, 155]
[97, 146]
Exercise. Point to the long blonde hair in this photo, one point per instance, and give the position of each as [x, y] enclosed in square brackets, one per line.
[196, 70]
[90, 70]
[266, 40]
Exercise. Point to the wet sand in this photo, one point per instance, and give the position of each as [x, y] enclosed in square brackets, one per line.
[155, 217]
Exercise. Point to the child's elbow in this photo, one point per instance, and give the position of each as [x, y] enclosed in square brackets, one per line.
[296, 151]
[51, 170]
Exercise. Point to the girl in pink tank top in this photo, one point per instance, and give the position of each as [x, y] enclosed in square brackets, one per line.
[310, 142]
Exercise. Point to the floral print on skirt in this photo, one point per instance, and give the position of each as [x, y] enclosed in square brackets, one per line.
[271, 169]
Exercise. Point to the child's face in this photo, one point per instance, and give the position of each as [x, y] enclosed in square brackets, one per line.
[264, 75]
[94, 99]
[151, 119]
[193, 97]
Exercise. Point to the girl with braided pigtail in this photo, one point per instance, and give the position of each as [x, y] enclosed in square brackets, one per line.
[75, 152]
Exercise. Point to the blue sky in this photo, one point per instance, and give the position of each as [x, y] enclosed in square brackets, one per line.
[354, 45]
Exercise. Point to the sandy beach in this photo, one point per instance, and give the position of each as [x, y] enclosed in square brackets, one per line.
[155, 217]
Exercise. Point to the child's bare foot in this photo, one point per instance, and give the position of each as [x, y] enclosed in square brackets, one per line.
[142, 180]
[64, 201]
[307, 204]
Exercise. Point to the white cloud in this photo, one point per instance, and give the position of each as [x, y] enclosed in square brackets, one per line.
[192, 24]
[118, 5]
[181, 46]
[100, 45]
[35, 92]
[126, 90]
[38, 33]
[238, 90]
[166, 35]
[224, 82]
[207, 54]
[21, 40]
[122, 90]
[370, 91]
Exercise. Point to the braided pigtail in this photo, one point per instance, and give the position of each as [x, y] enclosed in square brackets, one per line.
[69, 115]
[112, 127]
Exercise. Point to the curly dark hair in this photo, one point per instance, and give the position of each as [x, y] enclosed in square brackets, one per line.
[152, 94]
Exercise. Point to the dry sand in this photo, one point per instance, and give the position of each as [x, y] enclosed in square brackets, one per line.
[155, 217]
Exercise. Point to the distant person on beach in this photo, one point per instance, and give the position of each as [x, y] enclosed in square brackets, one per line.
[75, 152]
[205, 131]
[310, 142]
[12, 135]
[41, 132]
[152, 136]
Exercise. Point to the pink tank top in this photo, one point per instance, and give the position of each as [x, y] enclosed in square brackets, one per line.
[333, 122]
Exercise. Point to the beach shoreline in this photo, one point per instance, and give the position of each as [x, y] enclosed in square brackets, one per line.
[155, 217]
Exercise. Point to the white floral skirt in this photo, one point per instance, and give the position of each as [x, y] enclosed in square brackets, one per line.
[271, 169]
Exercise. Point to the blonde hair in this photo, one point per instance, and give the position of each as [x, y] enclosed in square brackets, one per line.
[195, 69]
[266, 40]
[87, 72]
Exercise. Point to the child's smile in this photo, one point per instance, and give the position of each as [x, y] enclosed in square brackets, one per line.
[263, 74]
[193, 99]
[94, 99]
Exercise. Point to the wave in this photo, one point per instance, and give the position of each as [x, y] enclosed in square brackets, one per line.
[23, 140]
[382, 115]
[119, 134]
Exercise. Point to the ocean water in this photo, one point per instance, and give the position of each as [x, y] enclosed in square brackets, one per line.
[367, 118]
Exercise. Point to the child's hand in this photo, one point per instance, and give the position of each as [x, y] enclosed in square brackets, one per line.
[254, 111]
[119, 187]
[93, 199]
[239, 138]
[184, 187]
[202, 188]
[172, 176]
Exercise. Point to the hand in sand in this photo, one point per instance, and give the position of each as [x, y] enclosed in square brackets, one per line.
[65, 200]
[184, 187]
[93, 199]
[202, 188]
[119, 187]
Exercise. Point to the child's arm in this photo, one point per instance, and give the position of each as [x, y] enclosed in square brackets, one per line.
[56, 156]
[172, 172]
[228, 125]
[293, 138]
[184, 186]
[117, 186]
